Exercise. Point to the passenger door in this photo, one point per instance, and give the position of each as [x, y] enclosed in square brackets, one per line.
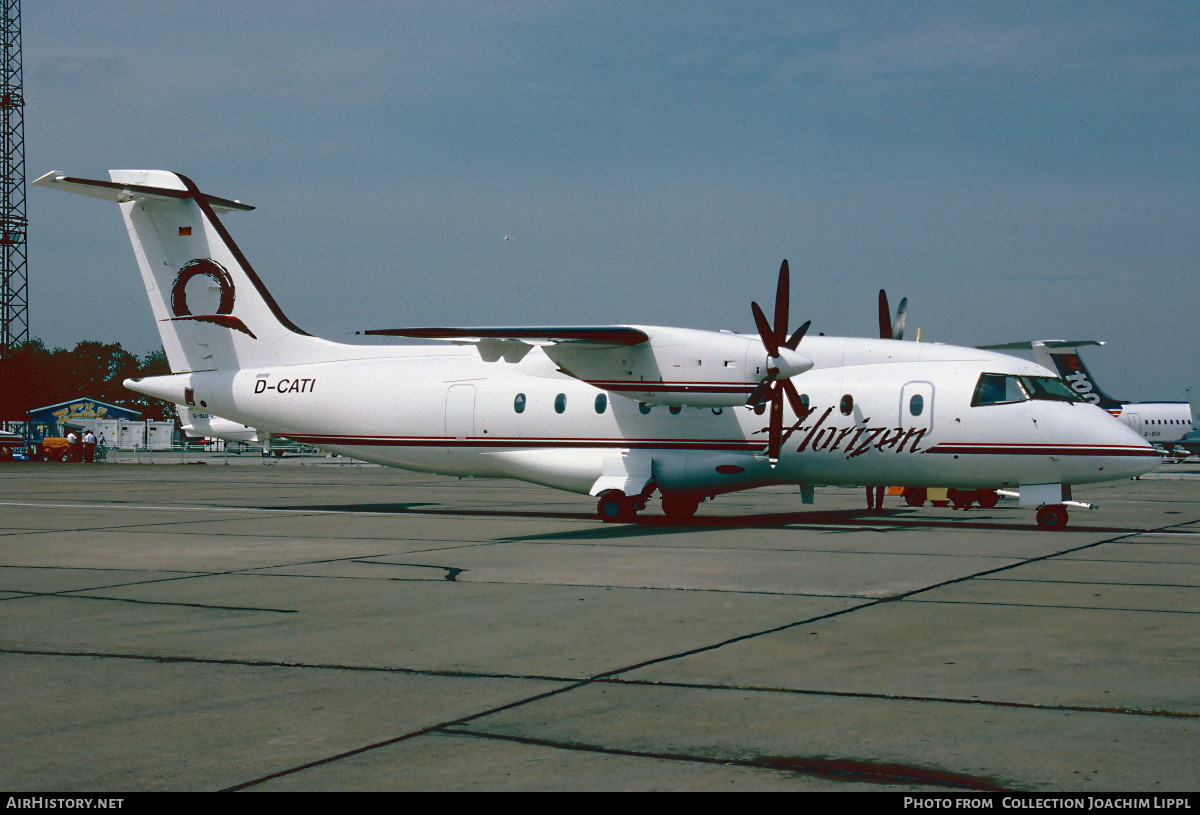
[916, 405]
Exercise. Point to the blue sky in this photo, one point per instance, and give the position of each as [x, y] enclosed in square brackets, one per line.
[1018, 170]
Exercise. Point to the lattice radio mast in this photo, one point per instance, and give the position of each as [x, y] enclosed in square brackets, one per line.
[14, 277]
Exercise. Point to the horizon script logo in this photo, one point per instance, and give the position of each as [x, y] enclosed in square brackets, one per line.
[224, 314]
[858, 439]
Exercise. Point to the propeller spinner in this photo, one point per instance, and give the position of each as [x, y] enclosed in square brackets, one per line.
[783, 362]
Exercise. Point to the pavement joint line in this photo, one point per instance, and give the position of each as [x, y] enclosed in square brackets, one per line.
[482, 714]
[72, 595]
[314, 511]
[1125, 560]
[308, 666]
[140, 528]
[98, 569]
[405, 737]
[895, 598]
[597, 586]
[259, 571]
[578, 682]
[1114, 583]
[890, 697]
[1048, 605]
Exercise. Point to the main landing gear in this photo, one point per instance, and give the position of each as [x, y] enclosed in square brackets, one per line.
[678, 507]
[615, 506]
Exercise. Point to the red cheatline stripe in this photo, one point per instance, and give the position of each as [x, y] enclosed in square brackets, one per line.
[442, 441]
[729, 445]
[1043, 449]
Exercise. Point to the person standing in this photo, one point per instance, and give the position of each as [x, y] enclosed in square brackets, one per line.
[875, 500]
[73, 446]
[89, 446]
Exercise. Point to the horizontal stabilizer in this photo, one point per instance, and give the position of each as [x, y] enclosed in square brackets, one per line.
[606, 335]
[120, 192]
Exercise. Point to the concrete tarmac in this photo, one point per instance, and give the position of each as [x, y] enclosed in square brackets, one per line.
[317, 625]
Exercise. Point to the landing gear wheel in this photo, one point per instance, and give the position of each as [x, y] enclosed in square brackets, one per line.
[679, 507]
[987, 498]
[915, 496]
[615, 507]
[1052, 517]
[961, 499]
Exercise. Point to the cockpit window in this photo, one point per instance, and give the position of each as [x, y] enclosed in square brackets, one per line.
[1005, 389]
[998, 389]
[1050, 388]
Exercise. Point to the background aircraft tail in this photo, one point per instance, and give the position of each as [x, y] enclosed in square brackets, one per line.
[1062, 357]
[213, 312]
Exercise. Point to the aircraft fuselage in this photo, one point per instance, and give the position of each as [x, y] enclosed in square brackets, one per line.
[898, 421]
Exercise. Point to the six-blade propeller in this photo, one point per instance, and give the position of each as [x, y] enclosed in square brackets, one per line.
[783, 362]
[889, 328]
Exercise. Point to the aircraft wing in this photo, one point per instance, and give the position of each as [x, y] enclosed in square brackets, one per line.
[1029, 345]
[608, 336]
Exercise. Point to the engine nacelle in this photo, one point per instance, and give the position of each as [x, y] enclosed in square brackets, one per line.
[675, 366]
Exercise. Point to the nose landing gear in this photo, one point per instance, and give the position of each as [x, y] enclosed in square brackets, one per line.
[1052, 517]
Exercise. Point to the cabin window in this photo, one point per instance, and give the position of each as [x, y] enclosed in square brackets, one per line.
[847, 405]
[519, 403]
[560, 403]
[916, 405]
[644, 408]
[601, 402]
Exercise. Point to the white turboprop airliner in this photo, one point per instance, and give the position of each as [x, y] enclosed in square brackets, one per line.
[617, 412]
[1165, 424]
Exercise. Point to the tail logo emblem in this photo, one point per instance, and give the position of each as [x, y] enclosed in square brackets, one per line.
[224, 315]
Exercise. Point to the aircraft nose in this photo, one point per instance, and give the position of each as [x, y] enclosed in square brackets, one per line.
[1126, 453]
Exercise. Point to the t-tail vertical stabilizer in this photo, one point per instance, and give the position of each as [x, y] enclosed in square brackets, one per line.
[212, 310]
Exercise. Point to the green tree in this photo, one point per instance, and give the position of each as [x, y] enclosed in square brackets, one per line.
[32, 376]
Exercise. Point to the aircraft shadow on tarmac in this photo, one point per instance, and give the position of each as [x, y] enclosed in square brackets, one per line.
[843, 520]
